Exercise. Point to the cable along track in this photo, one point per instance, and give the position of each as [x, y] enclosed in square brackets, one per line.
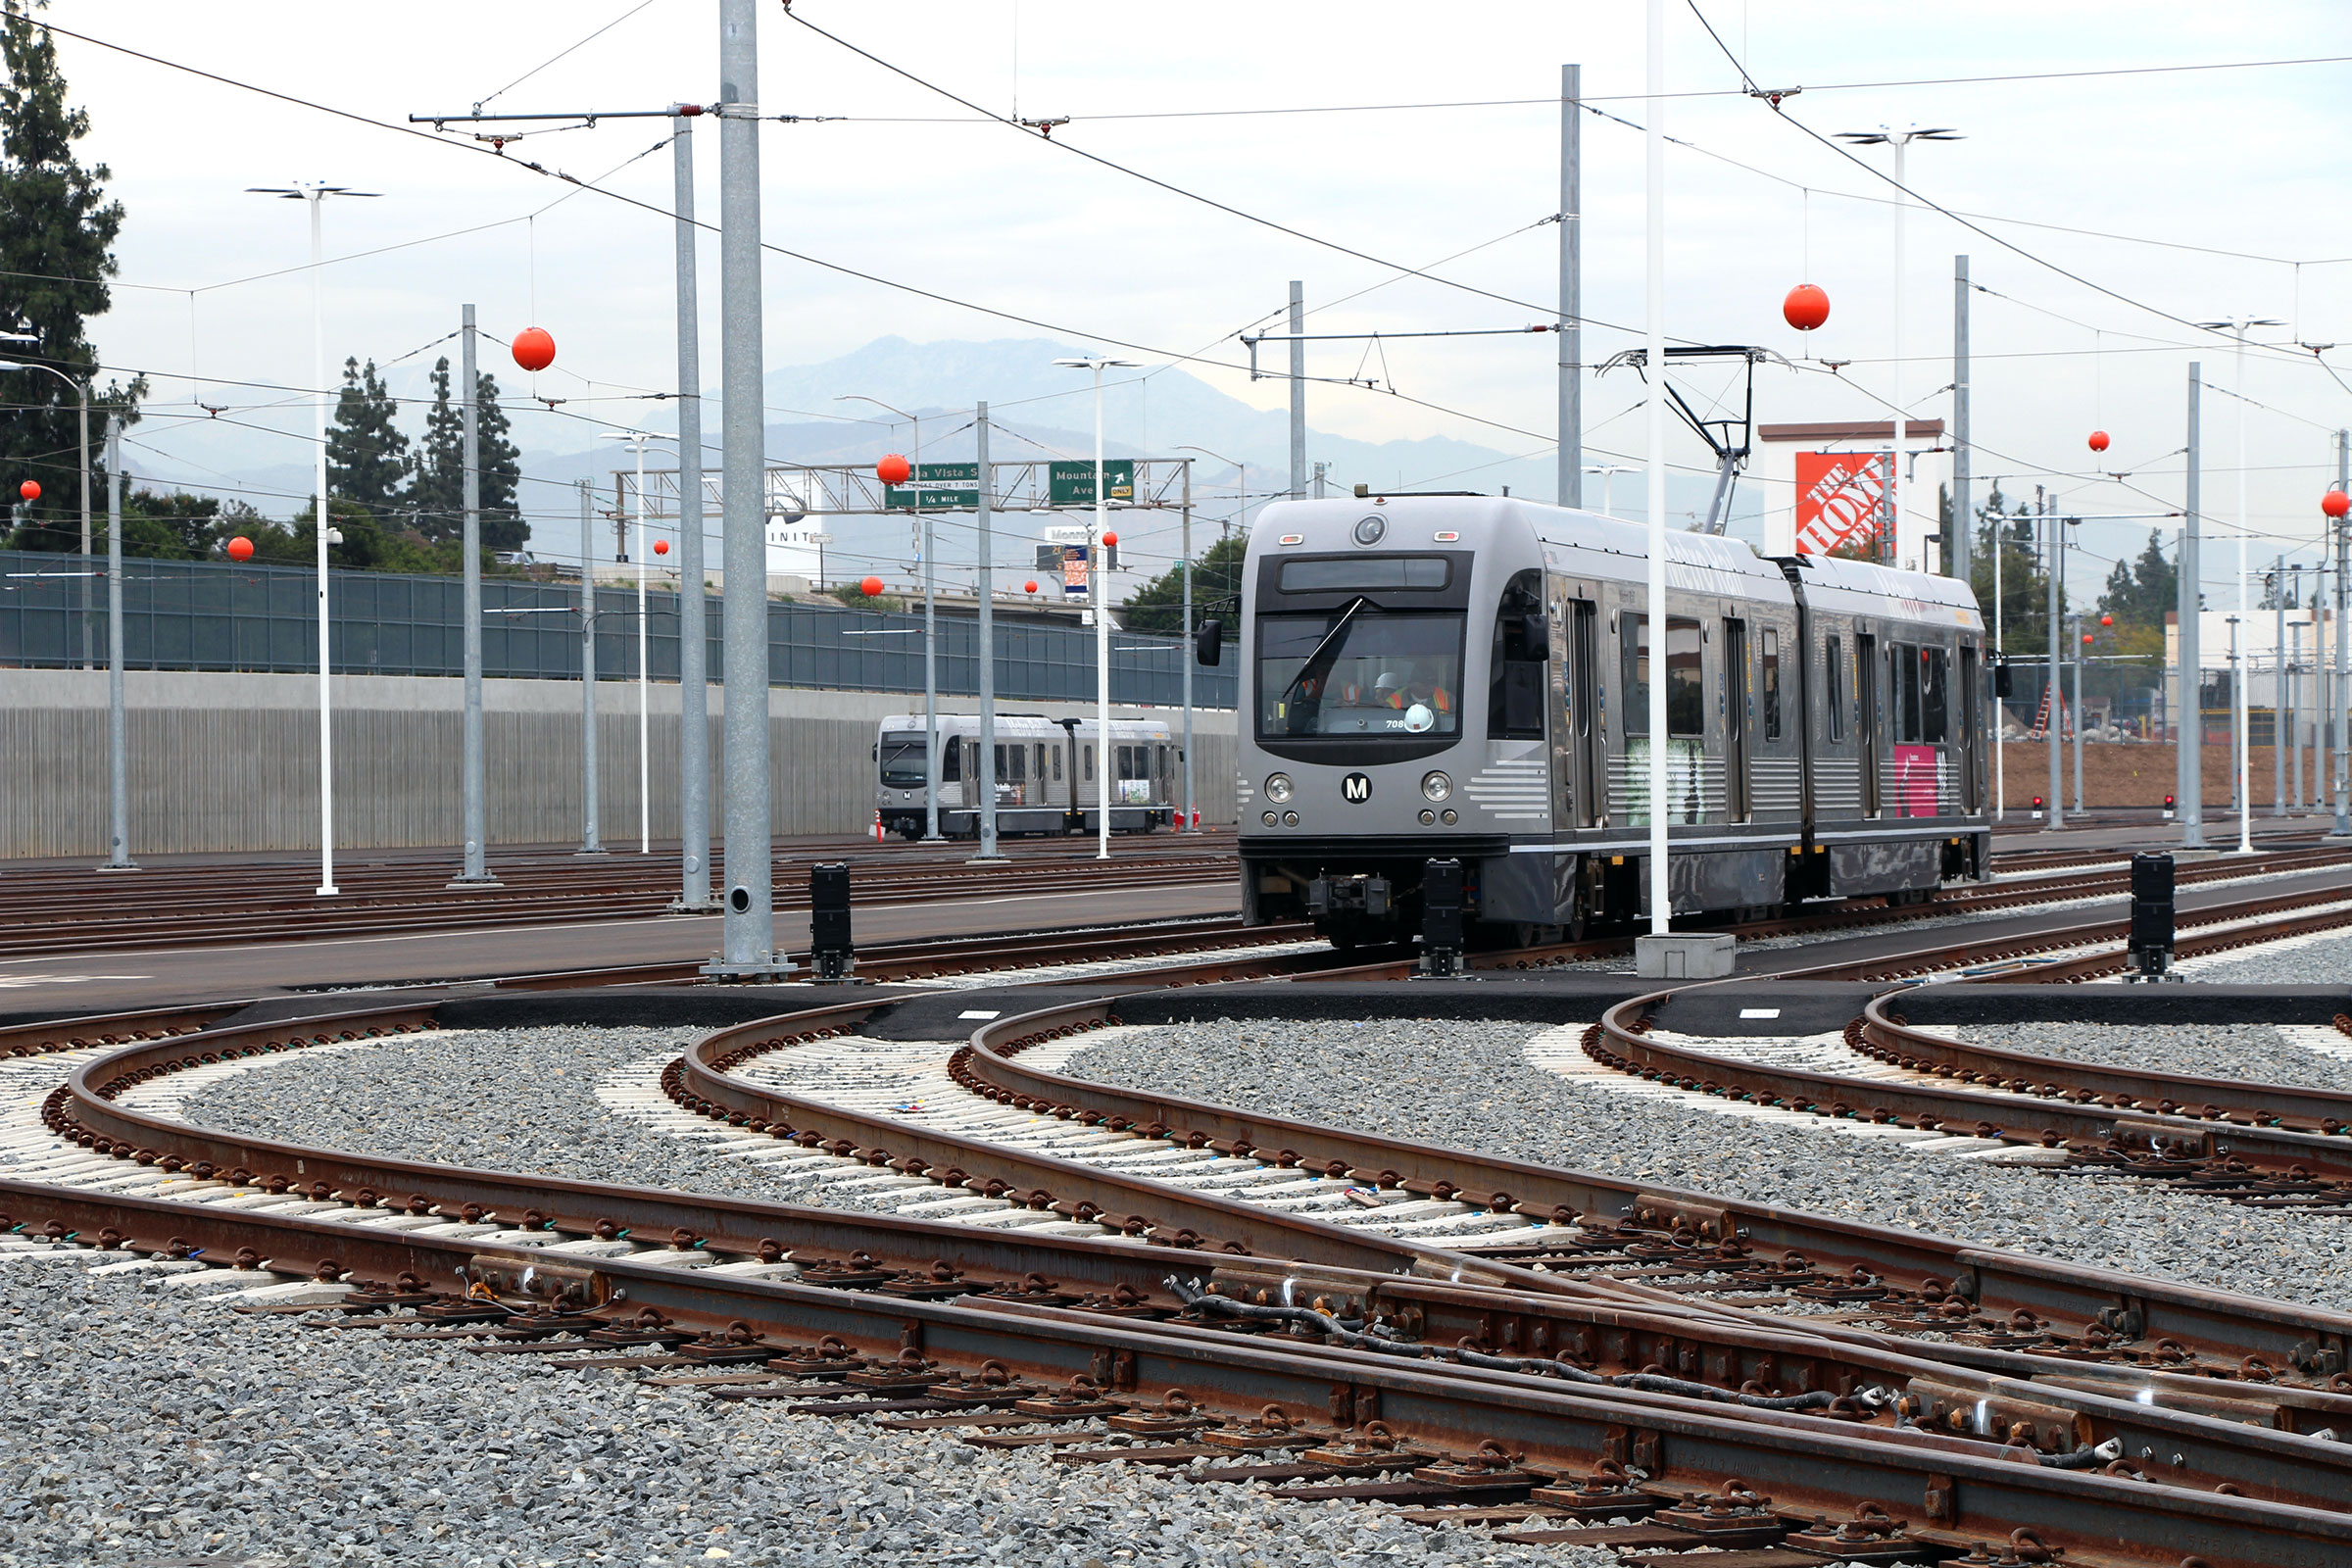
[1477, 1434]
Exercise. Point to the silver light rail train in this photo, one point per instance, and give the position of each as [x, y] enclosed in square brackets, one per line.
[1465, 677]
[1044, 776]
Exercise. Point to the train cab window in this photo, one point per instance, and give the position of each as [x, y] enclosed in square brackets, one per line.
[1906, 699]
[951, 764]
[1772, 683]
[1515, 668]
[1686, 690]
[1833, 670]
[1931, 701]
[903, 758]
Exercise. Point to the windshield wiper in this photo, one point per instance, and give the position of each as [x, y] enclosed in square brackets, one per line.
[1317, 664]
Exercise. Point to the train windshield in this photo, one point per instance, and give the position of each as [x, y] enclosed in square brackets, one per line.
[1360, 671]
[902, 757]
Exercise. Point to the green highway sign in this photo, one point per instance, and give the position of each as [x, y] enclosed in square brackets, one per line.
[1072, 485]
[940, 486]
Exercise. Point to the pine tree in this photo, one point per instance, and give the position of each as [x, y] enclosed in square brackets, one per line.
[56, 230]
[1159, 604]
[502, 527]
[436, 499]
[367, 453]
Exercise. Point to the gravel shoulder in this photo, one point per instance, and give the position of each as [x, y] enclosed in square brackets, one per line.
[2243, 1052]
[1469, 1085]
[163, 1429]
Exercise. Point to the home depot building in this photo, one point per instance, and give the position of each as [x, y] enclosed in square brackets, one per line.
[1827, 485]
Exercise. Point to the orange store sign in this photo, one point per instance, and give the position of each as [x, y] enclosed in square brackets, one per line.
[1841, 497]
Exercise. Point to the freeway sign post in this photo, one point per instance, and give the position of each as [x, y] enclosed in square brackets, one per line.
[939, 487]
[1072, 485]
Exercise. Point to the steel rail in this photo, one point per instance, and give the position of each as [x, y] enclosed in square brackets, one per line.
[2215, 1327]
[1963, 1498]
[1888, 1037]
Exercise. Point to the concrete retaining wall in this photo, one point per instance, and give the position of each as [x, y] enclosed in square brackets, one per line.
[227, 762]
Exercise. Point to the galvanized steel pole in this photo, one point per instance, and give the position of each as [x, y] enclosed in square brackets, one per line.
[981, 777]
[1569, 327]
[1100, 576]
[117, 728]
[2279, 709]
[82, 392]
[1960, 534]
[591, 839]
[2337, 687]
[1298, 391]
[326, 729]
[2075, 647]
[749, 938]
[1184, 653]
[694, 702]
[645, 695]
[2053, 549]
[2191, 730]
[930, 648]
[476, 873]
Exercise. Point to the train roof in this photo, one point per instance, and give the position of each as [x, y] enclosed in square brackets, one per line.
[1017, 725]
[1922, 595]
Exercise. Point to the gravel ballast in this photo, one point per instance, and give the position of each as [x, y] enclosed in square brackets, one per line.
[1469, 1085]
[162, 1428]
[2243, 1052]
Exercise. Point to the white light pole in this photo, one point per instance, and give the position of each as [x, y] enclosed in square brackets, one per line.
[930, 622]
[1096, 566]
[2238, 326]
[1901, 141]
[315, 194]
[638, 441]
[1608, 472]
[1661, 898]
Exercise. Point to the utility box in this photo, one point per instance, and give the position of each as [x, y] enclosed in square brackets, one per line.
[1442, 890]
[2151, 946]
[1680, 958]
[830, 949]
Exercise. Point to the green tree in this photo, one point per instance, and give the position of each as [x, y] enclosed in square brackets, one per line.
[57, 231]
[1159, 604]
[2023, 596]
[367, 454]
[502, 527]
[2142, 592]
[436, 499]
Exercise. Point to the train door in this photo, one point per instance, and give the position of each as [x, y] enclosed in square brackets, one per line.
[1971, 716]
[1866, 716]
[1583, 674]
[1735, 681]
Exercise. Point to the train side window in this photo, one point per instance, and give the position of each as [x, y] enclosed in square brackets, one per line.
[1772, 683]
[1633, 635]
[1041, 751]
[1056, 752]
[1834, 669]
[1686, 690]
[1516, 671]
[1090, 764]
[1932, 702]
[1906, 702]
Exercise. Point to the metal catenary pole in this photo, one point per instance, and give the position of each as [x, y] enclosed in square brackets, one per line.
[1959, 535]
[1569, 326]
[981, 779]
[1661, 900]
[327, 737]
[2279, 709]
[1100, 574]
[1184, 655]
[749, 937]
[1894, 476]
[118, 724]
[2000, 717]
[693, 683]
[644, 694]
[2237, 796]
[930, 651]
[1298, 390]
[2342, 679]
[475, 872]
[2191, 786]
[591, 839]
[2052, 552]
[2074, 645]
[81, 393]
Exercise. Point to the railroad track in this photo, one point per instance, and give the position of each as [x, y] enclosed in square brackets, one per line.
[1629, 1442]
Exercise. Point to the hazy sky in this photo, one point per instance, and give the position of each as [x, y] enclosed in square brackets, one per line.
[909, 187]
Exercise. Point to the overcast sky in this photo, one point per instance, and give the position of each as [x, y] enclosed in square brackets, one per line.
[909, 189]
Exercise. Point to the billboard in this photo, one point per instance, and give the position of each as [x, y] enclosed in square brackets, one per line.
[1841, 498]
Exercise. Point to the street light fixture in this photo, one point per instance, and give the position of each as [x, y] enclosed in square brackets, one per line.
[1901, 141]
[315, 194]
[1096, 565]
[1608, 472]
[930, 622]
[638, 441]
[2238, 326]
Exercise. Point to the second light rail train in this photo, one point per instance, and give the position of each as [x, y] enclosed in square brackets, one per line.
[1044, 770]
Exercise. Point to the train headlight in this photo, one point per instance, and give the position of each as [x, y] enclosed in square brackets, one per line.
[1277, 787]
[1436, 786]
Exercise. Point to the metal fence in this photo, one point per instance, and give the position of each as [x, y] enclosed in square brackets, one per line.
[209, 614]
